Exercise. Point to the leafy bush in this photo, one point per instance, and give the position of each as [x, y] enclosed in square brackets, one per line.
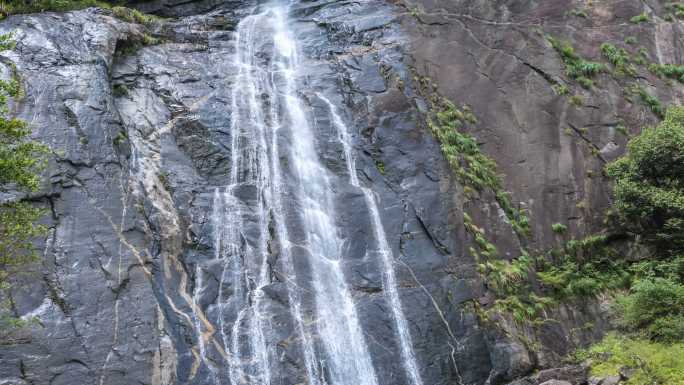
[583, 268]
[653, 362]
[649, 184]
[656, 306]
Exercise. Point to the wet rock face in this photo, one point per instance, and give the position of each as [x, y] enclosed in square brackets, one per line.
[133, 287]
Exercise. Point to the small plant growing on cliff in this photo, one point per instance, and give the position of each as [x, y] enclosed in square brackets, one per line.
[579, 13]
[120, 138]
[165, 182]
[120, 90]
[559, 228]
[133, 15]
[672, 71]
[640, 18]
[652, 102]
[631, 40]
[560, 89]
[380, 166]
[622, 129]
[619, 58]
[576, 67]
[577, 100]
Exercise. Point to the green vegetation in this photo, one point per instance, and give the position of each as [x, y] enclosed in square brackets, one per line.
[380, 166]
[576, 67]
[619, 58]
[164, 180]
[672, 71]
[622, 129]
[582, 268]
[654, 307]
[650, 101]
[559, 228]
[675, 10]
[560, 89]
[119, 90]
[649, 184]
[133, 16]
[630, 40]
[649, 208]
[473, 168]
[652, 362]
[579, 13]
[13, 7]
[640, 18]
[577, 100]
[20, 161]
[120, 138]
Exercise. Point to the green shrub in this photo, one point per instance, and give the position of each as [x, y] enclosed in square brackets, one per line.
[656, 306]
[649, 184]
[653, 362]
[630, 40]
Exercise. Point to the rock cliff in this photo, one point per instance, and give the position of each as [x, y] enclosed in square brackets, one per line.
[130, 288]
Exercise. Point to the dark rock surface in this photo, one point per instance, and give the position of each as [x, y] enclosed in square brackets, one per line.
[141, 145]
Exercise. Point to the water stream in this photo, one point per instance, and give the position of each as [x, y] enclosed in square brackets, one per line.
[249, 213]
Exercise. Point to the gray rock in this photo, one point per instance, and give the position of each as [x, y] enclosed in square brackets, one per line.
[611, 380]
[556, 382]
[130, 267]
[626, 373]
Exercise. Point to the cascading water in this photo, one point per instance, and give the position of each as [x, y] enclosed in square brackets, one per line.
[249, 213]
[389, 278]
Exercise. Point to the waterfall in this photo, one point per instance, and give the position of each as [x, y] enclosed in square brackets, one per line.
[248, 213]
[389, 279]
[337, 321]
